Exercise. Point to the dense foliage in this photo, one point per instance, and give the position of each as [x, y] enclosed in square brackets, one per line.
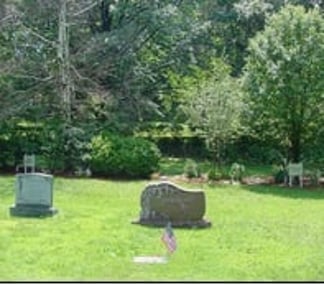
[76, 68]
[215, 108]
[117, 156]
[284, 77]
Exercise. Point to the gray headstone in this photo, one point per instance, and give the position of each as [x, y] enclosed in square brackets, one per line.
[165, 202]
[34, 195]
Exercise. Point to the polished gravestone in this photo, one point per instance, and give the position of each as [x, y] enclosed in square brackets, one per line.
[34, 195]
[165, 202]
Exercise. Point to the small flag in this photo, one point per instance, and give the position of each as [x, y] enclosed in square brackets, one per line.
[168, 238]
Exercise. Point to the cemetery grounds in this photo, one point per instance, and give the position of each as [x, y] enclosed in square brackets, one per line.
[258, 233]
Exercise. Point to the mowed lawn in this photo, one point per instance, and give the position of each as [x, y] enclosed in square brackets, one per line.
[258, 233]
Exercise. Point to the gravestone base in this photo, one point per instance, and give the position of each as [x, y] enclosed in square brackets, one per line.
[32, 210]
[190, 224]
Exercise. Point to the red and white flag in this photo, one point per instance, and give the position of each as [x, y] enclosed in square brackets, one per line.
[168, 238]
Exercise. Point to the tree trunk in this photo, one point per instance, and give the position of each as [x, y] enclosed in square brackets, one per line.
[105, 16]
[295, 150]
[66, 85]
[295, 147]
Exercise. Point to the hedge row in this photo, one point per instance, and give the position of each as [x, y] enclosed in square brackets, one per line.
[69, 150]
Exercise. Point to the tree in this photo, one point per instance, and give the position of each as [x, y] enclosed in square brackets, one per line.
[284, 77]
[133, 58]
[234, 22]
[103, 62]
[215, 108]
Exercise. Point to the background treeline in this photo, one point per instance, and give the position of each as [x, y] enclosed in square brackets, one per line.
[73, 73]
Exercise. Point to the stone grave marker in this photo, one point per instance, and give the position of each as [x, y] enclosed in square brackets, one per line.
[165, 202]
[34, 193]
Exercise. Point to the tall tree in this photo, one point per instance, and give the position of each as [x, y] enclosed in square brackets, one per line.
[215, 109]
[284, 76]
[234, 22]
[99, 60]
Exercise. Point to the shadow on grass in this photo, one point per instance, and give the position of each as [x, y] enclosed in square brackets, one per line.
[287, 192]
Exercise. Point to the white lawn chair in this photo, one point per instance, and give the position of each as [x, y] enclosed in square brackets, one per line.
[295, 169]
[29, 162]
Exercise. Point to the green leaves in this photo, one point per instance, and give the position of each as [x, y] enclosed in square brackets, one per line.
[215, 107]
[117, 156]
[284, 76]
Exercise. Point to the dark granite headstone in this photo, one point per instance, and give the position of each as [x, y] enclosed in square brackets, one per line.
[166, 202]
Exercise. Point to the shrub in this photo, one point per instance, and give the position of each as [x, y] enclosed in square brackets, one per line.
[213, 174]
[279, 173]
[314, 176]
[64, 148]
[16, 139]
[191, 169]
[236, 172]
[112, 155]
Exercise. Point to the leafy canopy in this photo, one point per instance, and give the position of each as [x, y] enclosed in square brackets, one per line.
[284, 76]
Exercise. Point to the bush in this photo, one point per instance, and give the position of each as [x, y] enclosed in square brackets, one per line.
[16, 139]
[314, 176]
[279, 173]
[213, 174]
[279, 170]
[116, 156]
[236, 172]
[64, 148]
[191, 169]
[58, 147]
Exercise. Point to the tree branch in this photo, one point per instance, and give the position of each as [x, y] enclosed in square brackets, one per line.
[54, 44]
[85, 9]
[6, 18]
[25, 76]
[83, 77]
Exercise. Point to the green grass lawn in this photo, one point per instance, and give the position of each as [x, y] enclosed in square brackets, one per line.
[258, 233]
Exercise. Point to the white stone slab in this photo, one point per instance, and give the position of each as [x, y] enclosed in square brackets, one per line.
[150, 259]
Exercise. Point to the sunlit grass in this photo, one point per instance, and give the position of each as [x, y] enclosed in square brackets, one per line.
[259, 233]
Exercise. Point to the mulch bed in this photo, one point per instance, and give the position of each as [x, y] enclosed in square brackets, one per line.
[251, 180]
